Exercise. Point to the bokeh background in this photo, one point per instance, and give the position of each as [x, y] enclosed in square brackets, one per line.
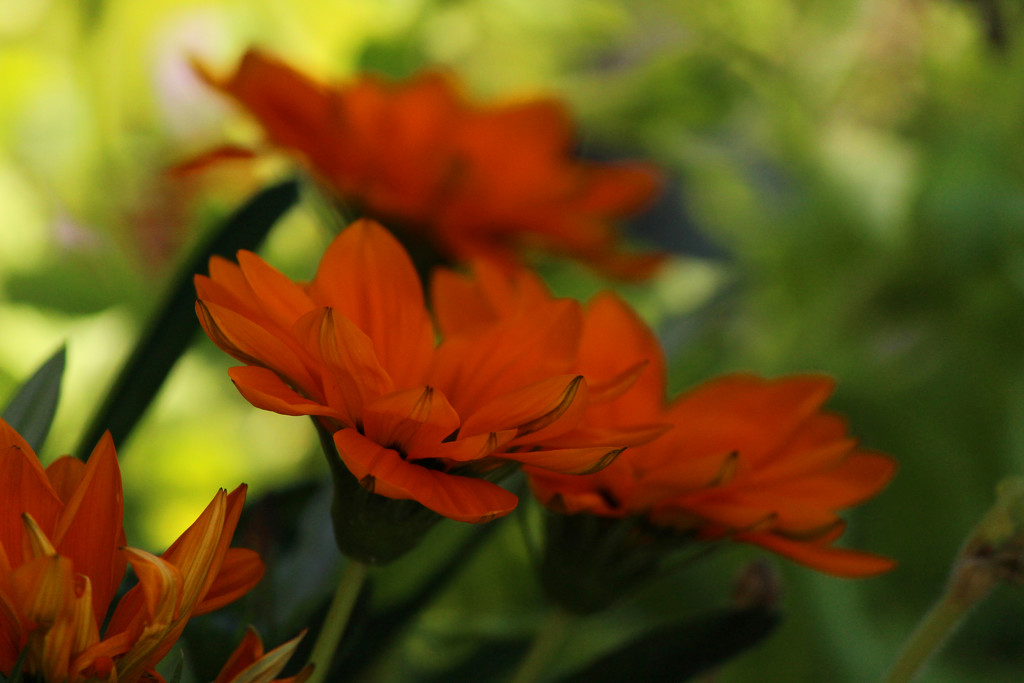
[845, 195]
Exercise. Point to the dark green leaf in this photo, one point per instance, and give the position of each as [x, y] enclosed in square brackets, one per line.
[31, 410]
[680, 651]
[179, 667]
[16, 673]
[175, 324]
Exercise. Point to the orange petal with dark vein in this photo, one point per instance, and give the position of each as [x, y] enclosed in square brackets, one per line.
[567, 460]
[251, 343]
[530, 409]
[416, 421]
[265, 389]
[383, 471]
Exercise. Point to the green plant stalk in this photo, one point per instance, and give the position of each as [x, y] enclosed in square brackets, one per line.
[338, 613]
[932, 631]
[546, 644]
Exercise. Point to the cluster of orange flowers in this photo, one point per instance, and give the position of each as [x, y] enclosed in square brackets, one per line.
[431, 403]
[518, 375]
[62, 559]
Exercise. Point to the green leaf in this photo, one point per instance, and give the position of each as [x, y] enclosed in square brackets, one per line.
[179, 667]
[16, 673]
[679, 651]
[175, 324]
[32, 408]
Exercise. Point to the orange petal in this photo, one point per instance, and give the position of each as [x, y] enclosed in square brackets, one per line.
[609, 492]
[153, 631]
[209, 158]
[248, 664]
[566, 460]
[531, 409]
[523, 349]
[241, 570]
[384, 472]
[23, 488]
[65, 473]
[835, 561]
[615, 340]
[266, 390]
[89, 529]
[476, 447]
[856, 479]
[280, 299]
[621, 189]
[247, 652]
[292, 108]
[458, 304]
[415, 421]
[200, 550]
[366, 276]
[253, 344]
[46, 589]
[747, 414]
[354, 375]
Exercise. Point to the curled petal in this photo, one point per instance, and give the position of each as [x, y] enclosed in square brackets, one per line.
[529, 410]
[383, 471]
[566, 460]
[265, 389]
[252, 343]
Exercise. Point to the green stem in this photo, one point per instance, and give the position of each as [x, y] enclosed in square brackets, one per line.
[546, 644]
[337, 617]
[928, 637]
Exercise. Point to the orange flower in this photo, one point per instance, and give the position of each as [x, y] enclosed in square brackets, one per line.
[356, 347]
[474, 180]
[749, 459]
[62, 557]
[249, 664]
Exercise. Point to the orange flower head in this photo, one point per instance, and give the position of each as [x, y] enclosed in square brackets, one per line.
[62, 558]
[474, 181]
[249, 664]
[413, 418]
[750, 459]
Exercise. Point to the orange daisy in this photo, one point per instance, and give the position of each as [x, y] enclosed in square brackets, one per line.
[749, 459]
[413, 418]
[473, 180]
[62, 557]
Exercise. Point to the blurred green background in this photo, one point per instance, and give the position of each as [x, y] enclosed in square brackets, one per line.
[846, 181]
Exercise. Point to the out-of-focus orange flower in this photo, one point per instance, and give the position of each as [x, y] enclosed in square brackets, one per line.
[62, 557]
[750, 459]
[474, 180]
[249, 664]
[357, 348]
